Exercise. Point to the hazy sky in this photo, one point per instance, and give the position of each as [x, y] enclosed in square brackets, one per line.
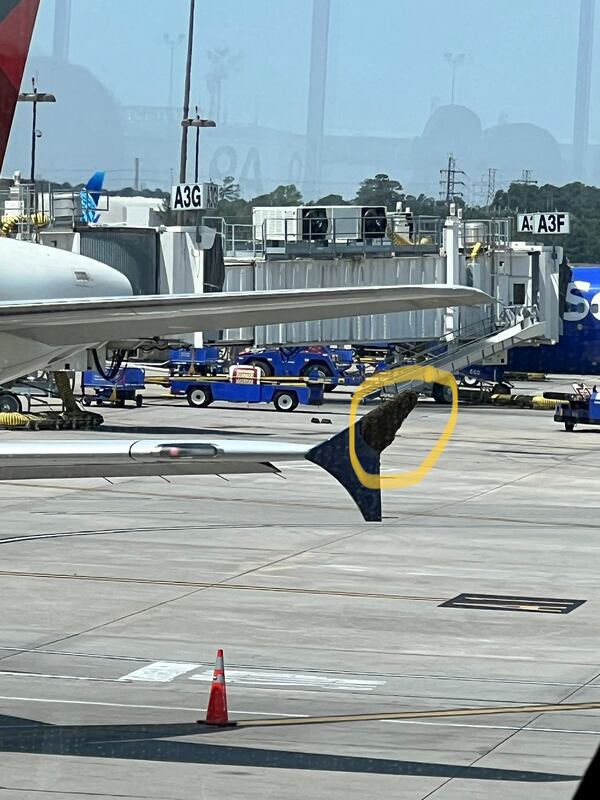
[386, 73]
[386, 59]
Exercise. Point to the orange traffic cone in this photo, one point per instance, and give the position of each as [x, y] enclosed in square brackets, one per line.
[216, 713]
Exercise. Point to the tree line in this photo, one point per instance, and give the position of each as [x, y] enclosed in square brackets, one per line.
[381, 190]
[581, 245]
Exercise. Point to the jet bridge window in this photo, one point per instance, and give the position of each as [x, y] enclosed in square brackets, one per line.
[518, 294]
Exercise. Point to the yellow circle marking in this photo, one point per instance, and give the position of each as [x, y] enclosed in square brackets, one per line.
[398, 480]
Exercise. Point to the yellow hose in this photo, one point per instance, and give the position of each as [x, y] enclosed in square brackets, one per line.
[475, 251]
[65, 391]
[10, 221]
[72, 417]
[543, 403]
[13, 419]
[19, 419]
[526, 376]
[524, 401]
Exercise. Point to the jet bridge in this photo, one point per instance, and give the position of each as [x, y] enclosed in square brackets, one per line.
[519, 276]
[464, 349]
[335, 250]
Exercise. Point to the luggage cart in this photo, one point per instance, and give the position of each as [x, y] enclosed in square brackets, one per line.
[246, 385]
[117, 392]
[199, 360]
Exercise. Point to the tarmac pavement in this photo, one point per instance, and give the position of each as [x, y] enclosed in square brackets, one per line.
[116, 596]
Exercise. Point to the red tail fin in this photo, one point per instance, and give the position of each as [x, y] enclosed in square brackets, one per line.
[17, 18]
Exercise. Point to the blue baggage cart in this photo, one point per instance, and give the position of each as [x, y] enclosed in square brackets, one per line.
[322, 362]
[123, 388]
[207, 360]
[284, 397]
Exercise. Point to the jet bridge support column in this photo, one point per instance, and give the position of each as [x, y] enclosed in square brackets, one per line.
[451, 242]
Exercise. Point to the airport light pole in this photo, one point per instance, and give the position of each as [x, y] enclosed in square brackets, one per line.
[186, 94]
[198, 123]
[454, 62]
[172, 43]
[35, 97]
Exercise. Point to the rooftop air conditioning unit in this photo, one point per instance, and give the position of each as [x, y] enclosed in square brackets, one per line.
[275, 225]
[278, 226]
[349, 224]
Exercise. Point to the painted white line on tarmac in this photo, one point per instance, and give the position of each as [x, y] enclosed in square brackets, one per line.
[490, 727]
[258, 678]
[344, 567]
[135, 705]
[269, 714]
[160, 671]
[4, 673]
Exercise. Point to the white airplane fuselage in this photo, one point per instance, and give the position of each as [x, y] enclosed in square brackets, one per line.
[32, 272]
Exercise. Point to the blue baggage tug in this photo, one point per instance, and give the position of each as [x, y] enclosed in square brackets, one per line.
[580, 408]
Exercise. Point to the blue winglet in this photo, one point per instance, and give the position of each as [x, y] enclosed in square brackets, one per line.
[373, 433]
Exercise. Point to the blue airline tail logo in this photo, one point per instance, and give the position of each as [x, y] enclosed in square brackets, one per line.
[90, 195]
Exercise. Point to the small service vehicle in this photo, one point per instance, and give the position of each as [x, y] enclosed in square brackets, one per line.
[582, 407]
[246, 385]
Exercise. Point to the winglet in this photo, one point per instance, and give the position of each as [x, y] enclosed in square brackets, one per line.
[374, 432]
[17, 18]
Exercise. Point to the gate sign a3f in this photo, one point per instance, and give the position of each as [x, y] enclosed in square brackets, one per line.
[545, 222]
[194, 196]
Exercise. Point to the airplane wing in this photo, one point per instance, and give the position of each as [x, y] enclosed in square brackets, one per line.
[64, 322]
[109, 458]
[116, 458]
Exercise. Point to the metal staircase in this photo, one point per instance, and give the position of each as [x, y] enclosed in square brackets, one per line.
[462, 348]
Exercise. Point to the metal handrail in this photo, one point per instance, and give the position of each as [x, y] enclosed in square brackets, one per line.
[464, 336]
[350, 234]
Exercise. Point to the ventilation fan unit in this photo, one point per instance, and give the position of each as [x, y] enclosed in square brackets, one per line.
[315, 223]
[374, 222]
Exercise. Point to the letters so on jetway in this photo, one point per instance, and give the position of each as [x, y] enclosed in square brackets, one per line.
[194, 196]
[544, 222]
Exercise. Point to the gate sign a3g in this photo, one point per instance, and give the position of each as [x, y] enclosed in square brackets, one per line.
[194, 196]
[544, 222]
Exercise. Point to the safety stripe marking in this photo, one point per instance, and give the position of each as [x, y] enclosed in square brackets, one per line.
[259, 678]
[160, 671]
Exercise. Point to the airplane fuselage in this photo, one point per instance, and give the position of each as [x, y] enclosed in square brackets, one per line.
[32, 272]
[578, 349]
